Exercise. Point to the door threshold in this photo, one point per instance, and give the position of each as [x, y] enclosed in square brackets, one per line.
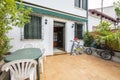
[58, 51]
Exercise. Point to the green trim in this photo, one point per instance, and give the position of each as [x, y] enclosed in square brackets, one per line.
[56, 14]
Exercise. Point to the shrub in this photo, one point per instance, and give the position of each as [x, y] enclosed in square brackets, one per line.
[88, 39]
[10, 15]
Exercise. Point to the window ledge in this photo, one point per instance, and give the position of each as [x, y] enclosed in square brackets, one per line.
[79, 8]
[32, 39]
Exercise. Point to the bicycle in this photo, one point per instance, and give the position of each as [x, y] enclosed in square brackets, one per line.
[102, 50]
[77, 48]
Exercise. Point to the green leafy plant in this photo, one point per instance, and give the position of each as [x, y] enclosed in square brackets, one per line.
[117, 11]
[11, 15]
[117, 8]
[111, 37]
[88, 39]
[113, 40]
[104, 28]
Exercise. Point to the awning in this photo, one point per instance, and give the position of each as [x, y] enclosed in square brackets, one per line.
[54, 13]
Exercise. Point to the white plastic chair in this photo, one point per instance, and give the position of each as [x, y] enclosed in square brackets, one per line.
[43, 51]
[21, 69]
[43, 56]
[28, 45]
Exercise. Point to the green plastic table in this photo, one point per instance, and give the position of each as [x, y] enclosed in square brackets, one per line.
[26, 53]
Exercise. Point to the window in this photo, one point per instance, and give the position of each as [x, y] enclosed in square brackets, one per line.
[81, 4]
[33, 29]
[78, 3]
[79, 31]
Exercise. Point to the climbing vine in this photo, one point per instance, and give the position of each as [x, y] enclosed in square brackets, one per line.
[12, 13]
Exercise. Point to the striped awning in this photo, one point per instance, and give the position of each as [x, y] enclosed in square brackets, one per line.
[54, 13]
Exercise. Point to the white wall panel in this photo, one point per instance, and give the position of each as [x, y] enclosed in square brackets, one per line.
[61, 5]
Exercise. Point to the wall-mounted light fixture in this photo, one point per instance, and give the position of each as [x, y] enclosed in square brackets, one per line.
[46, 21]
[72, 26]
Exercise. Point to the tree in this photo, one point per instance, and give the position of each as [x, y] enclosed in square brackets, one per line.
[12, 13]
[111, 37]
[117, 8]
[104, 28]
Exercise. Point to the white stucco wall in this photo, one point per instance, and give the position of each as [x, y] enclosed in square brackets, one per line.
[61, 5]
[92, 21]
[47, 29]
[110, 10]
[47, 33]
[69, 35]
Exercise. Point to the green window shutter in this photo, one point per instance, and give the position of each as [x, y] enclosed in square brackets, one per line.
[77, 3]
[79, 31]
[32, 30]
[80, 3]
[84, 4]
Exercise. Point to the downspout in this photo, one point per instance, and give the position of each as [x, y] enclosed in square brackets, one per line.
[101, 10]
[87, 15]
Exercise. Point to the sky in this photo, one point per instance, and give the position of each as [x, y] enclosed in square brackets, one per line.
[97, 3]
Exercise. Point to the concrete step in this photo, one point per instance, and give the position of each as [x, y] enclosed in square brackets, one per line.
[116, 59]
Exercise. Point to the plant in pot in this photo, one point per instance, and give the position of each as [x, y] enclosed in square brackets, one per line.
[11, 14]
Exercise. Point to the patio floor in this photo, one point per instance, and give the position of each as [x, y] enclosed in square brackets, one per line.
[80, 67]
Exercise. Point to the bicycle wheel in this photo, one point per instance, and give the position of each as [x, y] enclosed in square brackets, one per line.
[106, 55]
[88, 51]
[79, 50]
[72, 49]
[76, 52]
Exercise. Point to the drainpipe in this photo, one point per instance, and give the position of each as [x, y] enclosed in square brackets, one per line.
[101, 10]
[87, 15]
